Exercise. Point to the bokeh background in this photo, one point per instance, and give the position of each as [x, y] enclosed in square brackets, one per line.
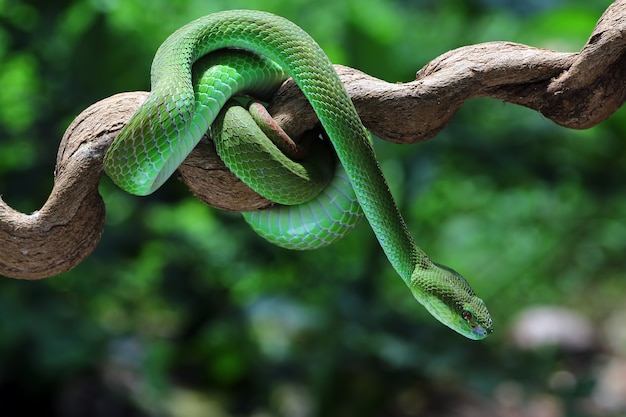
[182, 311]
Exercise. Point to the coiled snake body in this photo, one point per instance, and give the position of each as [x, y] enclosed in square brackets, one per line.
[164, 130]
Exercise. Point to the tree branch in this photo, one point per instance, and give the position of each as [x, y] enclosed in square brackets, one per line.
[575, 90]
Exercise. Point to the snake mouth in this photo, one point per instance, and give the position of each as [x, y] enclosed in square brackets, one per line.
[480, 332]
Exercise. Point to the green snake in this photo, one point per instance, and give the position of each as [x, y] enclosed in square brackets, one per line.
[165, 129]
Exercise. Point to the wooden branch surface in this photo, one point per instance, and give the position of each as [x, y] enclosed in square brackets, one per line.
[575, 90]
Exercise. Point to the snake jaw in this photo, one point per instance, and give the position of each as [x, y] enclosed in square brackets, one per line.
[470, 328]
[480, 332]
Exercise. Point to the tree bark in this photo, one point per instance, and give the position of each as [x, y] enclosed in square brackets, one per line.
[575, 90]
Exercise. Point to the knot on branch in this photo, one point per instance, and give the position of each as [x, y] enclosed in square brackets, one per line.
[575, 90]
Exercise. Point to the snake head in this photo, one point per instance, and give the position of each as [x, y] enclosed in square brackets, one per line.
[450, 299]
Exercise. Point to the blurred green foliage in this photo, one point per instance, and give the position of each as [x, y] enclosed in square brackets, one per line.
[183, 311]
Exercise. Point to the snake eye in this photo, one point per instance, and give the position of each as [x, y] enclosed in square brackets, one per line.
[467, 316]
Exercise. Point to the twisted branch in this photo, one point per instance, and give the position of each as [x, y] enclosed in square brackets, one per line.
[575, 90]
